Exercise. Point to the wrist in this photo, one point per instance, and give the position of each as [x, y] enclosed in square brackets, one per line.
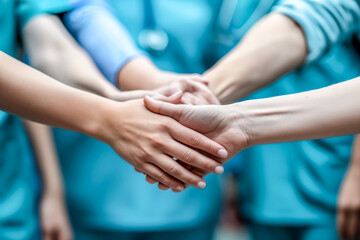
[239, 121]
[53, 191]
[98, 123]
[230, 83]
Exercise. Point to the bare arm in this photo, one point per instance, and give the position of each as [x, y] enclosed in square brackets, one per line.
[295, 32]
[53, 51]
[348, 209]
[272, 48]
[145, 144]
[327, 112]
[53, 213]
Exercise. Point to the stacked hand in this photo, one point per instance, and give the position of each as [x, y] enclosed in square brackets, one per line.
[215, 122]
[151, 142]
[148, 141]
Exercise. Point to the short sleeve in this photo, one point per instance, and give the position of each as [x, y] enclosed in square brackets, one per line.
[324, 22]
[27, 9]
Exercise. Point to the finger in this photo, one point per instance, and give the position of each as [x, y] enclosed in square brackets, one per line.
[151, 180]
[352, 225]
[46, 236]
[201, 90]
[193, 99]
[174, 98]
[199, 78]
[179, 172]
[161, 176]
[162, 186]
[341, 224]
[183, 134]
[65, 234]
[163, 108]
[198, 141]
[194, 158]
[137, 170]
[186, 101]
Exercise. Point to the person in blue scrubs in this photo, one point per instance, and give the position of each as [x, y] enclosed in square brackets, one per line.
[114, 202]
[18, 192]
[290, 190]
[286, 198]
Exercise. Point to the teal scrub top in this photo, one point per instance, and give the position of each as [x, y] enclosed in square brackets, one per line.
[297, 183]
[18, 212]
[103, 191]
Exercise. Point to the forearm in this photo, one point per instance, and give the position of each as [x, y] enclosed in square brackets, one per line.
[46, 157]
[327, 112]
[33, 95]
[274, 47]
[140, 73]
[49, 46]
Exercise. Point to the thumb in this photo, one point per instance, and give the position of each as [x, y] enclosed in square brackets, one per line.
[174, 98]
[199, 79]
[163, 108]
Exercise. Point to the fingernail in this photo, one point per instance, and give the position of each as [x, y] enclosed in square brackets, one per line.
[177, 93]
[222, 153]
[219, 169]
[148, 98]
[201, 185]
[179, 188]
[204, 78]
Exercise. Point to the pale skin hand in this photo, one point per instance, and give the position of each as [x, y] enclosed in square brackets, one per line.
[147, 141]
[54, 219]
[326, 112]
[50, 49]
[348, 214]
[209, 120]
[122, 125]
[150, 77]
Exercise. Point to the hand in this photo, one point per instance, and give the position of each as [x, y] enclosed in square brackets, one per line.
[122, 96]
[149, 141]
[216, 122]
[348, 218]
[54, 219]
[193, 86]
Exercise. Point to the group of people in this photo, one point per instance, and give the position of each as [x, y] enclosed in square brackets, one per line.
[138, 86]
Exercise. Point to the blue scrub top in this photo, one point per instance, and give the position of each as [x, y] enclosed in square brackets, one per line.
[104, 191]
[18, 190]
[17, 196]
[297, 183]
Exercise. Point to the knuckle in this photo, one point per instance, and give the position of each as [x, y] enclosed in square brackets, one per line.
[174, 170]
[161, 178]
[188, 156]
[195, 140]
[210, 166]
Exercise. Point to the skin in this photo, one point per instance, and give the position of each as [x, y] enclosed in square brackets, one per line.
[110, 123]
[274, 47]
[50, 45]
[54, 220]
[348, 217]
[309, 115]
